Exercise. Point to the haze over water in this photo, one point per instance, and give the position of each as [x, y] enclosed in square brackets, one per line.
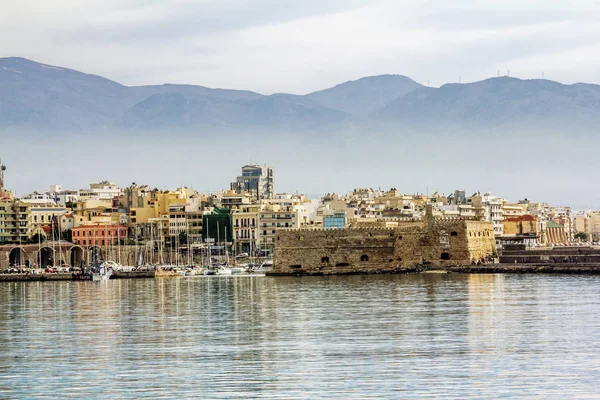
[405, 336]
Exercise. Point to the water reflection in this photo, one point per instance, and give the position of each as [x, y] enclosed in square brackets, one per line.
[413, 336]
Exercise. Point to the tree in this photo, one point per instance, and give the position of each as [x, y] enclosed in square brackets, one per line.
[582, 236]
[67, 235]
[183, 239]
[37, 238]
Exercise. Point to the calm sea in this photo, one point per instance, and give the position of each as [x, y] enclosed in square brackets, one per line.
[411, 336]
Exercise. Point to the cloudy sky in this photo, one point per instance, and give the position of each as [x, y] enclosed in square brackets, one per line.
[301, 46]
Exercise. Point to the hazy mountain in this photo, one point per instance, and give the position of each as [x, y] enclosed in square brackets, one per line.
[39, 95]
[498, 102]
[365, 95]
[48, 98]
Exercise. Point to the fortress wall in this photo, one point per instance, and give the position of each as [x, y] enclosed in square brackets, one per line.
[449, 242]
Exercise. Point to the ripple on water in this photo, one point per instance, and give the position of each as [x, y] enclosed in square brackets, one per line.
[414, 336]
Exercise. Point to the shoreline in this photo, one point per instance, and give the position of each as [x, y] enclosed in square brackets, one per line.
[502, 268]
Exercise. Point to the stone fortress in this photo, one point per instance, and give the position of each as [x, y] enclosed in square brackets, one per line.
[413, 244]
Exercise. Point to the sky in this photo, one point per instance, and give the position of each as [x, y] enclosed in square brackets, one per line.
[294, 46]
[272, 46]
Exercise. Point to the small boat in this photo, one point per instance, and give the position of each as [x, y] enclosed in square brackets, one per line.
[209, 271]
[100, 272]
[266, 266]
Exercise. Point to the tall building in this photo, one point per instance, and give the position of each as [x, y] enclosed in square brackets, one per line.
[258, 180]
[15, 221]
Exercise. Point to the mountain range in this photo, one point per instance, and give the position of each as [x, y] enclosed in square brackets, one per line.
[44, 97]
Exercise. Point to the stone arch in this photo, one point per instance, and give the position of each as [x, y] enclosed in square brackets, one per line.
[45, 257]
[16, 257]
[325, 260]
[364, 258]
[77, 256]
[445, 256]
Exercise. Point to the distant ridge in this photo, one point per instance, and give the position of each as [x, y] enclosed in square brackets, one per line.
[49, 98]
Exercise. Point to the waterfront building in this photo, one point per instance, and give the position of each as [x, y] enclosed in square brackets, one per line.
[273, 216]
[177, 219]
[337, 220]
[44, 213]
[595, 222]
[67, 221]
[152, 205]
[257, 180]
[245, 224]
[217, 226]
[15, 221]
[489, 208]
[523, 225]
[583, 223]
[555, 233]
[98, 235]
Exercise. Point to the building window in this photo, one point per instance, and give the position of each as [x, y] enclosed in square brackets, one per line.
[325, 260]
[445, 256]
[364, 258]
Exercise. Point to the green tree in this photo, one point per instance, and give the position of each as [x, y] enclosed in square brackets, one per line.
[37, 238]
[183, 239]
[582, 236]
[67, 235]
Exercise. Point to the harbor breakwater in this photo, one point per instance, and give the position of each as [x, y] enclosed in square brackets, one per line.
[546, 268]
[69, 276]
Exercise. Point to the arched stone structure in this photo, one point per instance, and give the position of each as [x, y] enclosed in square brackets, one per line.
[45, 257]
[16, 257]
[77, 256]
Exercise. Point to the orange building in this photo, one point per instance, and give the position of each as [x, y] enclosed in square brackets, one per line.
[98, 235]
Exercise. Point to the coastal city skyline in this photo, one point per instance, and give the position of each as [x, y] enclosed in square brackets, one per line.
[299, 199]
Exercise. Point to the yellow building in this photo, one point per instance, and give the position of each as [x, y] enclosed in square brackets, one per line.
[520, 225]
[154, 205]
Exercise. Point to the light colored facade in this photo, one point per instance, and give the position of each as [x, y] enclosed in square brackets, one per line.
[177, 219]
[595, 222]
[15, 221]
[583, 223]
[273, 217]
[231, 199]
[104, 190]
[245, 227]
[43, 213]
[489, 208]
[67, 221]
